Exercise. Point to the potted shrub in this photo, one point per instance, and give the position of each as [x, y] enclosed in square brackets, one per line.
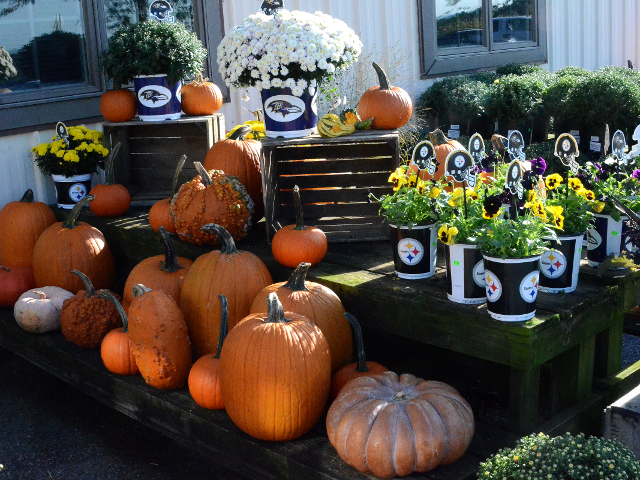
[157, 56]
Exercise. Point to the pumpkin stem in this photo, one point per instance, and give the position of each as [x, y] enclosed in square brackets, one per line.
[174, 185]
[357, 332]
[5, 269]
[224, 323]
[297, 203]
[383, 79]
[27, 197]
[437, 137]
[227, 244]
[72, 219]
[139, 289]
[199, 80]
[240, 132]
[206, 178]
[170, 264]
[43, 296]
[88, 286]
[107, 295]
[297, 279]
[109, 165]
[275, 309]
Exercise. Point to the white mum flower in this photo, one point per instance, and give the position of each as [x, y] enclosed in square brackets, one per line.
[297, 91]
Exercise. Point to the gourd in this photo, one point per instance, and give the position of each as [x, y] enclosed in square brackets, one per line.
[390, 107]
[240, 157]
[14, 281]
[111, 199]
[38, 310]
[118, 105]
[294, 244]
[275, 370]
[319, 304]
[211, 197]
[73, 245]
[86, 318]
[237, 275]
[160, 212]
[390, 425]
[159, 338]
[200, 97]
[360, 368]
[21, 223]
[204, 376]
[165, 272]
[330, 126]
[115, 349]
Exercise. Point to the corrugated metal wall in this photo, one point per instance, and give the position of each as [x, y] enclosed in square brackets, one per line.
[586, 33]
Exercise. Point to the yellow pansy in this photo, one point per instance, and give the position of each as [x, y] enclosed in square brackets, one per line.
[575, 184]
[412, 181]
[588, 194]
[598, 206]
[421, 186]
[558, 218]
[446, 234]
[487, 216]
[532, 196]
[538, 210]
[553, 181]
[397, 178]
[435, 191]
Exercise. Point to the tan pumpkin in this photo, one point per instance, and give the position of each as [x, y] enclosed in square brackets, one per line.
[200, 97]
[38, 310]
[389, 425]
[160, 212]
[390, 107]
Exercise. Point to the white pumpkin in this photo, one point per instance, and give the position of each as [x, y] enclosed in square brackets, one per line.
[38, 310]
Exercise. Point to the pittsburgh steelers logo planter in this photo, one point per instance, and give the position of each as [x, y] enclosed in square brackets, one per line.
[465, 274]
[414, 251]
[560, 265]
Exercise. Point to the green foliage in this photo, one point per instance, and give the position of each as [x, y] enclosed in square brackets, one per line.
[516, 97]
[435, 100]
[505, 238]
[573, 71]
[556, 97]
[539, 457]
[517, 69]
[467, 226]
[484, 77]
[7, 70]
[149, 48]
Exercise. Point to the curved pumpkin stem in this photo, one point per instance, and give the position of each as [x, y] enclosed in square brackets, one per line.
[383, 79]
[297, 279]
[27, 197]
[170, 263]
[240, 132]
[88, 286]
[199, 80]
[139, 289]
[174, 184]
[41, 294]
[109, 165]
[227, 244]
[107, 295]
[275, 309]
[297, 203]
[72, 219]
[8, 270]
[224, 323]
[437, 137]
[206, 178]
[357, 332]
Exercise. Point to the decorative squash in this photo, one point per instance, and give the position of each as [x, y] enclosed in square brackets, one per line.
[319, 304]
[159, 338]
[275, 373]
[115, 349]
[200, 97]
[361, 368]
[211, 197]
[21, 224]
[86, 318]
[390, 107]
[160, 212]
[14, 281]
[204, 377]
[111, 199]
[165, 272]
[118, 105]
[294, 244]
[391, 425]
[38, 310]
[237, 275]
[240, 157]
[73, 245]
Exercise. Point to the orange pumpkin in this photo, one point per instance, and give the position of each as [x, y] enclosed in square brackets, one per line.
[111, 199]
[14, 281]
[160, 212]
[201, 97]
[21, 223]
[443, 146]
[115, 349]
[390, 107]
[241, 158]
[118, 105]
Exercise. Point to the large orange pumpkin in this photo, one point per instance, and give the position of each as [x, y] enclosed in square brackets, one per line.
[21, 223]
[118, 105]
[240, 157]
[275, 370]
[390, 107]
[237, 275]
[160, 212]
[111, 199]
[200, 97]
[391, 425]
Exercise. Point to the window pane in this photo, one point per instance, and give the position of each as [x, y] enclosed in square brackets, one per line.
[512, 21]
[45, 41]
[124, 12]
[459, 23]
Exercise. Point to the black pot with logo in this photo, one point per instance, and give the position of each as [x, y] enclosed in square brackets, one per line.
[465, 274]
[414, 251]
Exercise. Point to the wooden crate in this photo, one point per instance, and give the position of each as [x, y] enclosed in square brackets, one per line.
[335, 176]
[151, 150]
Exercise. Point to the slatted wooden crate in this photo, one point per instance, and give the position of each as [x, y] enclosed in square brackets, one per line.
[335, 176]
[150, 152]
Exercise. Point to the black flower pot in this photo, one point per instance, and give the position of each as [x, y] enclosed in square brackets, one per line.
[560, 264]
[603, 239]
[70, 190]
[465, 274]
[414, 251]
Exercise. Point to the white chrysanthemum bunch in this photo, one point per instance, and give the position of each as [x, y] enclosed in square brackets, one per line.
[291, 49]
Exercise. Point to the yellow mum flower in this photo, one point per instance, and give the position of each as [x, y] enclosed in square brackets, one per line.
[446, 234]
[82, 147]
[598, 206]
[60, 153]
[41, 149]
[71, 156]
[553, 181]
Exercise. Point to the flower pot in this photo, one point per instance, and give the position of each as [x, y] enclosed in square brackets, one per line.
[156, 99]
[603, 239]
[511, 286]
[465, 274]
[289, 116]
[560, 265]
[70, 190]
[414, 251]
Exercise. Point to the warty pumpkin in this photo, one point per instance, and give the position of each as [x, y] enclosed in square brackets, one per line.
[390, 107]
[160, 212]
[21, 223]
[14, 281]
[240, 157]
[38, 310]
[118, 105]
[391, 425]
[319, 304]
[236, 274]
[275, 370]
[200, 97]
[111, 199]
[115, 349]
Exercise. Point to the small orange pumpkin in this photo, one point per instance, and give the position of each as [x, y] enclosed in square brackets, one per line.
[443, 146]
[160, 212]
[14, 281]
[201, 97]
[118, 105]
[115, 349]
[111, 199]
[390, 107]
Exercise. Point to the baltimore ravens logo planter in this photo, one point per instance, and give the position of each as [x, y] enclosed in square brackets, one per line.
[288, 115]
[414, 254]
[156, 99]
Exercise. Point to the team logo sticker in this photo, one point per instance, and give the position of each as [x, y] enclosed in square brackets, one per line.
[77, 192]
[410, 251]
[529, 287]
[154, 96]
[284, 108]
[553, 263]
[492, 286]
[478, 274]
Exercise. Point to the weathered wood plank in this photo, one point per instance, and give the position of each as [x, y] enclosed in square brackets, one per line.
[371, 164]
[342, 180]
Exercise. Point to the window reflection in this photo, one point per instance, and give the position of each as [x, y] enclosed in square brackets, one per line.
[512, 21]
[124, 12]
[459, 23]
